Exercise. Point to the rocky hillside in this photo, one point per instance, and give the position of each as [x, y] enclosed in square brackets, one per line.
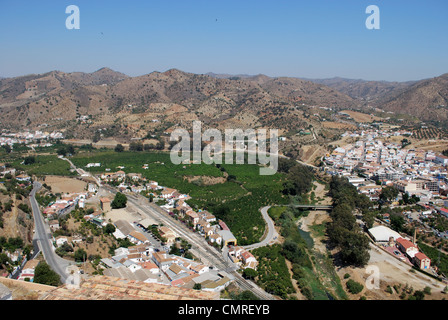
[118, 104]
[426, 99]
[107, 103]
[369, 91]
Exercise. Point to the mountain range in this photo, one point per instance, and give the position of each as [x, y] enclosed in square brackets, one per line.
[114, 104]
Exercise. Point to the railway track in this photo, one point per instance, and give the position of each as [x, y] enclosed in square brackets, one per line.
[198, 243]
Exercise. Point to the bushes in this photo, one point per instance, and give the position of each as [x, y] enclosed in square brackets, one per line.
[354, 287]
[295, 253]
[24, 207]
[244, 295]
[64, 249]
[273, 274]
[119, 148]
[249, 273]
[80, 255]
[12, 244]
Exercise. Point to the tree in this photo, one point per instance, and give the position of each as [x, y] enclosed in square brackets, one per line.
[419, 295]
[119, 148]
[43, 274]
[62, 151]
[136, 146]
[250, 273]
[397, 222]
[4, 260]
[355, 249]
[70, 149]
[197, 286]
[172, 144]
[7, 148]
[29, 160]
[388, 193]
[299, 179]
[119, 201]
[160, 145]
[427, 290]
[64, 249]
[246, 295]
[80, 255]
[110, 228]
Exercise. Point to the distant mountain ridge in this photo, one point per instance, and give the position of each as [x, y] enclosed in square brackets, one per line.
[120, 103]
[426, 99]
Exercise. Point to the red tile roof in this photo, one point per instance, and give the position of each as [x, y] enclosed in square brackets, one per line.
[406, 243]
[421, 256]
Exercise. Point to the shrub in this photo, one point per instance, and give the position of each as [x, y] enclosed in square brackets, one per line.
[354, 287]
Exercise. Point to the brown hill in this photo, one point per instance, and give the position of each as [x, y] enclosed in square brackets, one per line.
[126, 107]
[425, 99]
[118, 104]
[363, 90]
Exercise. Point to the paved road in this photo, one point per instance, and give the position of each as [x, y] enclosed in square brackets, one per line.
[82, 172]
[271, 234]
[44, 238]
[208, 254]
[199, 245]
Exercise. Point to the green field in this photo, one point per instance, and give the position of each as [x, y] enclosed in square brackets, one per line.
[44, 165]
[236, 201]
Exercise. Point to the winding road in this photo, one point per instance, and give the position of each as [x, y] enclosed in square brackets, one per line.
[271, 233]
[199, 244]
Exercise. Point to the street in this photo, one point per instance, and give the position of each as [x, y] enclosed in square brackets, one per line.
[44, 238]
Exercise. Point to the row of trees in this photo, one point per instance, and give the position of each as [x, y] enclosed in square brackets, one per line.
[139, 146]
[343, 231]
[299, 178]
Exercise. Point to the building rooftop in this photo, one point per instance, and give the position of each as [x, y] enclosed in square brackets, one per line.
[406, 243]
[113, 288]
[383, 234]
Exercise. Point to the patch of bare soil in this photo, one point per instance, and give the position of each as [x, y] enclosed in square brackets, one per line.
[337, 125]
[205, 180]
[65, 185]
[311, 152]
[361, 117]
[394, 274]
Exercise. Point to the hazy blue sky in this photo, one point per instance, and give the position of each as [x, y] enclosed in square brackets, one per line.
[312, 38]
